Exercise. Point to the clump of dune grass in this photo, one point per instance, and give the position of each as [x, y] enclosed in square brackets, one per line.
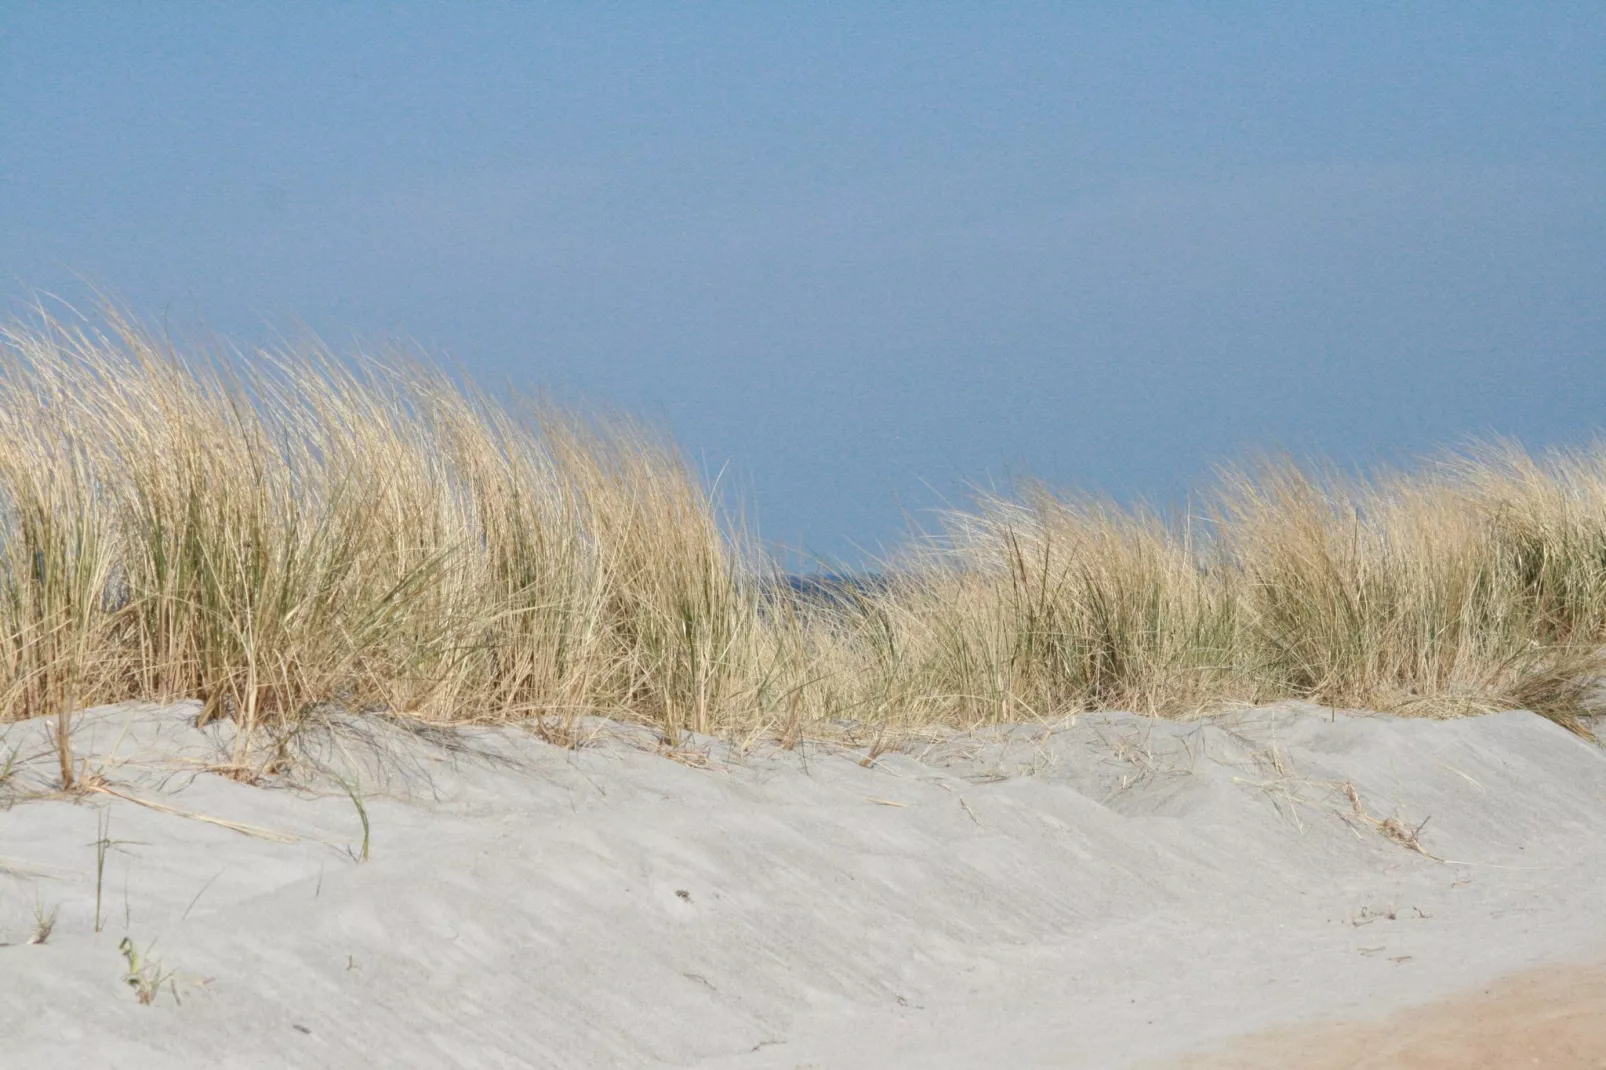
[273, 532]
[279, 533]
[1475, 584]
[1418, 593]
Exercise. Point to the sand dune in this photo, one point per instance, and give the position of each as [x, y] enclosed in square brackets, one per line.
[1109, 891]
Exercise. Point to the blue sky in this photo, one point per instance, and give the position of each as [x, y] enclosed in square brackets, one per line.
[866, 254]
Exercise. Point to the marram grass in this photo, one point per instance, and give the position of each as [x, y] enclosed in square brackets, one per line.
[282, 533]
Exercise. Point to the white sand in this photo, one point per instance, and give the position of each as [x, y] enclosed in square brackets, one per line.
[1115, 891]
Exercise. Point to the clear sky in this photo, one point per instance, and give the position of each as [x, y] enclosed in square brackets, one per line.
[864, 254]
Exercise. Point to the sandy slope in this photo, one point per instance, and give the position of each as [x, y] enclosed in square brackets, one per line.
[1109, 893]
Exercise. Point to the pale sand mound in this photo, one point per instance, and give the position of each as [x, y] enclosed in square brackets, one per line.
[1108, 893]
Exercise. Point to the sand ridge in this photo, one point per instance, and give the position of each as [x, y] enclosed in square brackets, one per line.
[1106, 891]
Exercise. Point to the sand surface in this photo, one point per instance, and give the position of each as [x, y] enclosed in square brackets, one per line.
[1553, 1018]
[1111, 891]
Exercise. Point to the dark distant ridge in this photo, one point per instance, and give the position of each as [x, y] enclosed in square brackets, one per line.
[831, 588]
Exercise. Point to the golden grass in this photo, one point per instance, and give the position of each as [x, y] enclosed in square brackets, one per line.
[1478, 583]
[271, 532]
[278, 533]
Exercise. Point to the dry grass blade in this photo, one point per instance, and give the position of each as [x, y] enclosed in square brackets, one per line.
[1392, 828]
[233, 826]
[22, 867]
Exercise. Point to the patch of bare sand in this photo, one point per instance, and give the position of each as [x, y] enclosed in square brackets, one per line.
[1553, 1017]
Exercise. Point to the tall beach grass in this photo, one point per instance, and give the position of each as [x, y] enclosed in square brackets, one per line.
[279, 533]
[276, 532]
